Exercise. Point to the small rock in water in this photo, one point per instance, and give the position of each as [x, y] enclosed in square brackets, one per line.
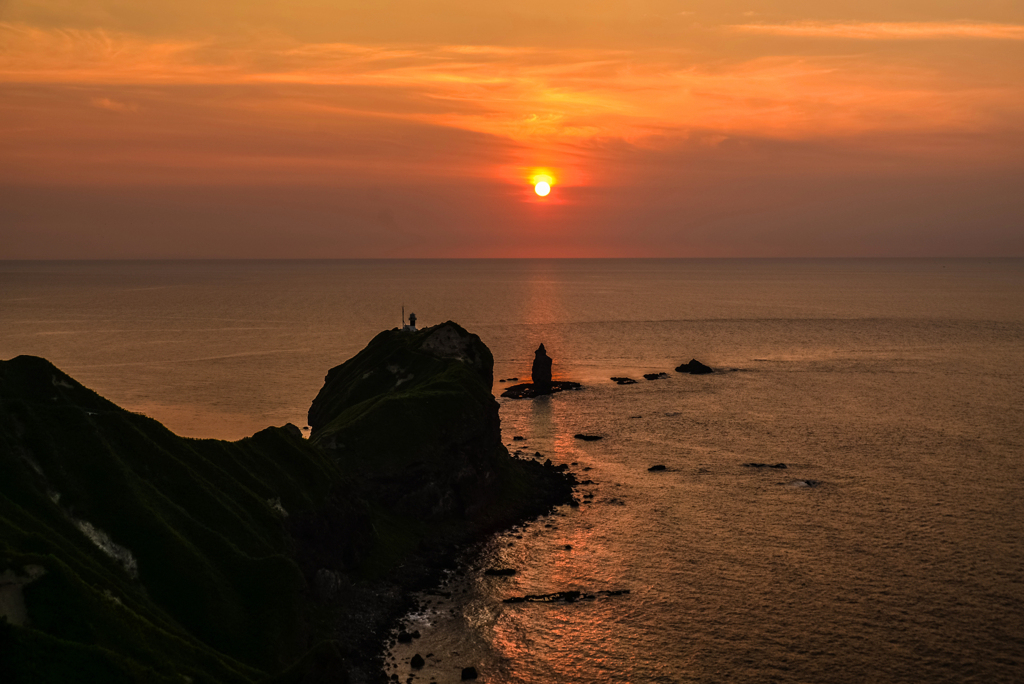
[567, 596]
[500, 572]
[624, 381]
[778, 466]
[564, 596]
[518, 438]
[417, 661]
[469, 673]
[655, 468]
[655, 376]
[694, 367]
[586, 438]
[404, 637]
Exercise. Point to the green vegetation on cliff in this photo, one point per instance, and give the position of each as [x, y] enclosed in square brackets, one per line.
[130, 554]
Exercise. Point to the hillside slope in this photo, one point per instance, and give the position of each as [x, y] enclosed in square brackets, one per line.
[130, 554]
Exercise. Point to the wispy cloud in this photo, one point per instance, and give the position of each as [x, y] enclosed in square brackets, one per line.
[535, 93]
[300, 100]
[888, 30]
[112, 105]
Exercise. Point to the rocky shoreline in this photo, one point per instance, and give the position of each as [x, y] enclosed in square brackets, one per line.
[385, 603]
[151, 557]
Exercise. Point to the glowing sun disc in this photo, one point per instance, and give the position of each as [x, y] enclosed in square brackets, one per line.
[542, 188]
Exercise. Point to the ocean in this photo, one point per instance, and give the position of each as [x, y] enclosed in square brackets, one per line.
[889, 549]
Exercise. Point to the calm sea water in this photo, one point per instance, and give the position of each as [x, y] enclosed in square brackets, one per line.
[895, 385]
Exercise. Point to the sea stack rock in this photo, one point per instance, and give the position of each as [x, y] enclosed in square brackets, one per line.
[541, 372]
[542, 383]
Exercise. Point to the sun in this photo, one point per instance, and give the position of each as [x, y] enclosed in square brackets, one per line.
[542, 184]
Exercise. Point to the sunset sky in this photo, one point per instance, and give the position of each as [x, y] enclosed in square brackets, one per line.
[669, 128]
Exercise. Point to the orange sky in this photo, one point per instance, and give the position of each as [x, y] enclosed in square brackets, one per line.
[337, 129]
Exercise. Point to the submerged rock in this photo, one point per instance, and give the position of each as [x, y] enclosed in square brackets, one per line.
[804, 483]
[528, 390]
[655, 468]
[624, 381]
[777, 466]
[587, 438]
[571, 596]
[566, 596]
[655, 376]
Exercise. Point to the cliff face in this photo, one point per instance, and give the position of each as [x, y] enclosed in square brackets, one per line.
[413, 414]
[128, 553]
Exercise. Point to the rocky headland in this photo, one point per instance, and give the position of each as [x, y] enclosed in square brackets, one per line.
[129, 554]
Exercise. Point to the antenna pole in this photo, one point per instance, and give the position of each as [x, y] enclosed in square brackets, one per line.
[403, 317]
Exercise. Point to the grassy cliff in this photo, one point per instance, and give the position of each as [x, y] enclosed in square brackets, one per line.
[128, 553]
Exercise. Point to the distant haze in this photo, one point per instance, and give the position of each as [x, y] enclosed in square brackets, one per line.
[346, 129]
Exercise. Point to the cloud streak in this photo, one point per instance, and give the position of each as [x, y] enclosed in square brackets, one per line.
[536, 94]
[887, 30]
